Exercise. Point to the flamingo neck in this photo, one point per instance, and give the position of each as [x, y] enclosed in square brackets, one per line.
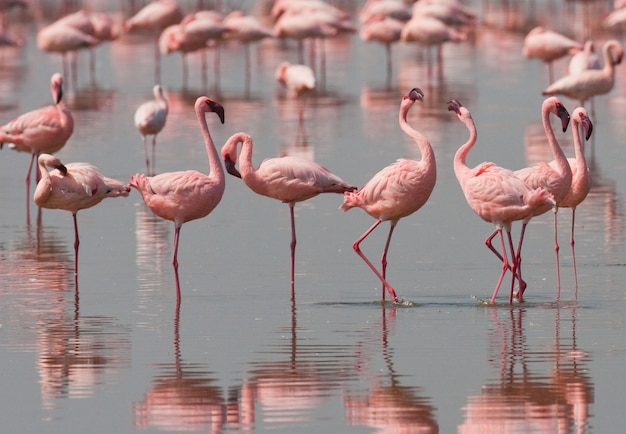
[579, 146]
[557, 152]
[461, 154]
[216, 170]
[428, 156]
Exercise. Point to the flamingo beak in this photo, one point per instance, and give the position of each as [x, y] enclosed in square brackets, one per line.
[588, 127]
[230, 167]
[217, 109]
[564, 116]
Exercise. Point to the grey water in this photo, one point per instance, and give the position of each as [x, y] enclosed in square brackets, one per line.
[111, 351]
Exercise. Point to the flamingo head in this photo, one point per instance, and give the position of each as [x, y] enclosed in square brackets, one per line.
[229, 164]
[415, 94]
[217, 109]
[562, 113]
[584, 120]
[455, 105]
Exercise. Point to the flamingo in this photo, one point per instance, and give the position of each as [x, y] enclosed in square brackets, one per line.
[150, 119]
[397, 190]
[43, 130]
[73, 187]
[385, 30]
[298, 79]
[581, 175]
[289, 179]
[585, 59]
[375, 9]
[547, 45]
[186, 195]
[497, 196]
[555, 177]
[153, 18]
[591, 82]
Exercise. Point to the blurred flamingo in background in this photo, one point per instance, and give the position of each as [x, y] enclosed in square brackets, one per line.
[397, 190]
[556, 177]
[497, 196]
[289, 179]
[548, 46]
[581, 175]
[150, 118]
[186, 195]
[299, 80]
[153, 18]
[585, 59]
[385, 30]
[591, 82]
[73, 187]
[43, 130]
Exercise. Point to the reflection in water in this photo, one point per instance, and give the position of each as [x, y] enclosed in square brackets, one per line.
[387, 405]
[152, 237]
[523, 399]
[293, 385]
[183, 396]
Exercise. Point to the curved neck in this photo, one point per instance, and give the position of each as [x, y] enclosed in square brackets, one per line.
[461, 154]
[579, 145]
[428, 156]
[557, 152]
[609, 66]
[215, 167]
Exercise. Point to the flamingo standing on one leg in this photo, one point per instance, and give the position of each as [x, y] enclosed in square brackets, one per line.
[555, 177]
[289, 179]
[397, 190]
[497, 196]
[186, 195]
[44, 130]
[150, 119]
[73, 187]
[581, 175]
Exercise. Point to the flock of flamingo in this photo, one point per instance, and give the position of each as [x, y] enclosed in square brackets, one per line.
[497, 195]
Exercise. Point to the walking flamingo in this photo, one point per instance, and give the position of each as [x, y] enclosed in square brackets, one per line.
[547, 45]
[397, 190]
[289, 179]
[150, 119]
[186, 195]
[555, 177]
[43, 130]
[590, 82]
[581, 175]
[73, 187]
[497, 196]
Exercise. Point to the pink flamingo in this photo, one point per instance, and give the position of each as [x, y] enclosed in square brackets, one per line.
[44, 130]
[153, 18]
[289, 179]
[585, 59]
[555, 177]
[73, 187]
[497, 196]
[590, 82]
[380, 9]
[186, 195]
[150, 119]
[385, 30]
[299, 80]
[548, 46]
[581, 175]
[397, 190]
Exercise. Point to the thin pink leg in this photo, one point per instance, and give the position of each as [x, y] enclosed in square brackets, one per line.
[293, 249]
[571, 242]
[153, 155]
[145, 151]
[518, 261]
[556, 254]
[383, 260]
[514, 269]
[27, 180]
[175, 261]
[76, 244]
[385, 284]
[505, 263]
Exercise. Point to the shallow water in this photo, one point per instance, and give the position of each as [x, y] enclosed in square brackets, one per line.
[238, 355]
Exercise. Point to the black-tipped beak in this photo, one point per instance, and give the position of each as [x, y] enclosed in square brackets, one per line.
[416, 94]
[564, 115]
[59, 96]
[588, 127]
[454, 105]
[61, 168]
[230, 167]
[217, 109]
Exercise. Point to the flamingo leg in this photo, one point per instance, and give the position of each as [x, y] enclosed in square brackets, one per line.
[518, 260]
[505, 263]
[383, 260]
[27, 180]
[571, 242]
[514, 270]
[185, 70]
[153, 155]
[76, 244]
[248, 72]
[556, 254]
[388, 55]
[293, 249]
[358, 251]
[145, 151]
[175, 261]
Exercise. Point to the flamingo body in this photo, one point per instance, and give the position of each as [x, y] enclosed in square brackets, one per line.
[150, 118]
[155, 15]
[296, 78]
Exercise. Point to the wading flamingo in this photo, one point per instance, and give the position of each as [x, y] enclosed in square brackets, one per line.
[44, 130]
[299, 80]
[591, 82]
[150, 119]
[73, 187]
[289, 179]
[581, 175]
[186, 195]
[397, 190]
[497, 196]
[555, 177]
[548, 45]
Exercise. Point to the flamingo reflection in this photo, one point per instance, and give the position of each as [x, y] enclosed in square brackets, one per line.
[387, 405]
[524, 398]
